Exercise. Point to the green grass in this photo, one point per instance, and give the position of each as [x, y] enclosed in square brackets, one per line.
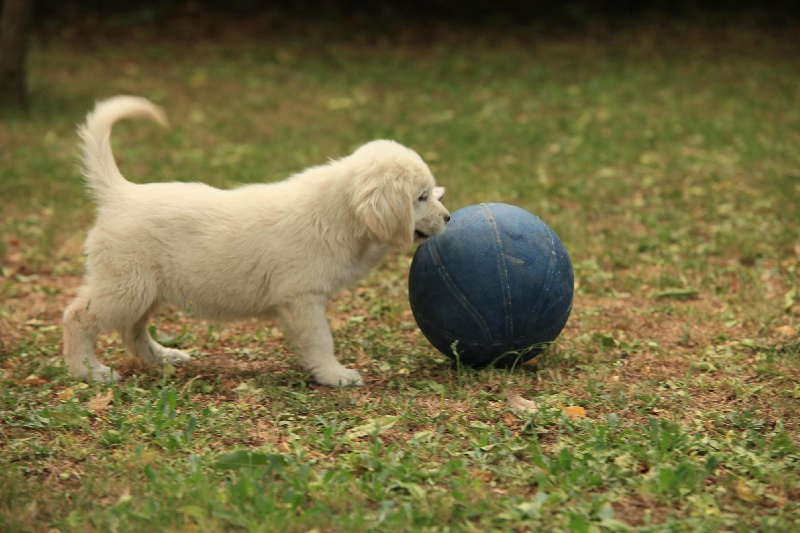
[666, 159]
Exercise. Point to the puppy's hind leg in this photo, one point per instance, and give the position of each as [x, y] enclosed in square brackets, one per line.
[304, 323]
[140, 344]
[81, 324]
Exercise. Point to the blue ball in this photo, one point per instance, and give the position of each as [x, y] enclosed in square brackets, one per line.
[495, 288]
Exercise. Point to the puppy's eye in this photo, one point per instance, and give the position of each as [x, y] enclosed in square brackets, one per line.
[423, 197]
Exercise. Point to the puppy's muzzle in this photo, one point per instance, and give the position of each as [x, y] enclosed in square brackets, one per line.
[421, 235]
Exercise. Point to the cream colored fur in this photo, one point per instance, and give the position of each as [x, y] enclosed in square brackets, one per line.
[275, 250]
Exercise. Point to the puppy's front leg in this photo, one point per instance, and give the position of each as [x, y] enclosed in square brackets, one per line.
[304, 323]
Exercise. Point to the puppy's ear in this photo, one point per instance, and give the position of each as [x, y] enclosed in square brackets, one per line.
[387, 210]
[438, 193]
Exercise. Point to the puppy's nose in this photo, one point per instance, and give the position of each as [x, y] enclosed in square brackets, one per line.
[446, 219]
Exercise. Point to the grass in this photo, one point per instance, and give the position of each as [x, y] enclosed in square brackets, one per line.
[666, 159]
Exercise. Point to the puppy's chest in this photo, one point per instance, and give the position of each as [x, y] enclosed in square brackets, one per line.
[360, 263]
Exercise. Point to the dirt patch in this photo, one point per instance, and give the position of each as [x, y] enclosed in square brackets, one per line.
[667, 356]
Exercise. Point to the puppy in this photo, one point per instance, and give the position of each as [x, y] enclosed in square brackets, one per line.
[276, 250]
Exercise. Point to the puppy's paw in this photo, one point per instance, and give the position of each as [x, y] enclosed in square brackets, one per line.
[164, 356]
[338, 377]
[174, 357]
[100, 373]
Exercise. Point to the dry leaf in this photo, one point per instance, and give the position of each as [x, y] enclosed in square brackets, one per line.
[66, 394]
[125, 496]
[510, 420]
[486, 477]
[336, 323]
[575, 411]
[376, 426]
[362, 358]
[518, 402]
[745, 492]
[786, 331]
[789, 299]
[101, 401]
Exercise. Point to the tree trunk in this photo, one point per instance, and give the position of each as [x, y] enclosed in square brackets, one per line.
[15, 22]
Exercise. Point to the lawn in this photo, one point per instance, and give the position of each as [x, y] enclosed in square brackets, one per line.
[664, 154]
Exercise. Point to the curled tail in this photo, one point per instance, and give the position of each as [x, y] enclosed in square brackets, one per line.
[102, 175]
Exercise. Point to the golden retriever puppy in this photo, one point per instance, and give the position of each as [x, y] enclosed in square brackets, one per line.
[277, 250]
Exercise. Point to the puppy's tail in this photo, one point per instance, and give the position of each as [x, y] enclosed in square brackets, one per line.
[102, 175]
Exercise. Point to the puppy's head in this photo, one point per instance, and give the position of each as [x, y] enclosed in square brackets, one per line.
[396, 196]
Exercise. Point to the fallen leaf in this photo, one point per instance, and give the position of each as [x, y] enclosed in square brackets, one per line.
[362, 358]
[575, 411]
[705, 366]
[675, 293]
[518, 402]
[625, 460]
[246, 459]
[789, 299]
[786, 331]
[746, 493]
[341, 102]
[486, 477]
[510, 420]
[101, 402]
[376, 426]
[336, 323]
[423, 436]
[66, 394]
[125, 496]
